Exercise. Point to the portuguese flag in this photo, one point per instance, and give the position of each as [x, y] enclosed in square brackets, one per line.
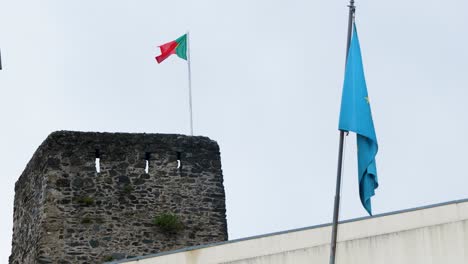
[178, 46]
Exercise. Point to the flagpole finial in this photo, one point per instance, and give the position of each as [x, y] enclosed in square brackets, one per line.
[352, 7]
[352, 12]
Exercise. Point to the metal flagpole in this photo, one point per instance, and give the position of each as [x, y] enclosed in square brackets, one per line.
[336, 209]
[189, 82]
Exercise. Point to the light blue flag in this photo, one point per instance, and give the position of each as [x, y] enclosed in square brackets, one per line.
[355, 116]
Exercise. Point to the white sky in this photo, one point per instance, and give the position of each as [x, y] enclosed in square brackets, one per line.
[267, 78]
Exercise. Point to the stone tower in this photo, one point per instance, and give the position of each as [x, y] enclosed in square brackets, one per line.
[95, 197]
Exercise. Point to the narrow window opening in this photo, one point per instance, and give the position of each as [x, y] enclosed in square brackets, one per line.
[179, 160]
[147, 159]
[98, 161]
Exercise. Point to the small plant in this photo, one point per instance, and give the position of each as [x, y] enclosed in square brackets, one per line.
[128, 189]
[168, 223]
[86, 200]
[107, 258]
[86, 220]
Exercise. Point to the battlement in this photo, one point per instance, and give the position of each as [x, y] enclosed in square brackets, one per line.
[89, 197]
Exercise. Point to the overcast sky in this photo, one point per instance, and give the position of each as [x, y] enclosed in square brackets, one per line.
[267, 78]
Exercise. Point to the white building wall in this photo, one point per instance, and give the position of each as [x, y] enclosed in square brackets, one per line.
[427, 236]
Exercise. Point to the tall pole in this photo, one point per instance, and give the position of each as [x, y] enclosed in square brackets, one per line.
[189, 82]
[336, 209]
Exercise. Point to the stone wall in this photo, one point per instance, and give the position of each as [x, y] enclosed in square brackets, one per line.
[67, 212]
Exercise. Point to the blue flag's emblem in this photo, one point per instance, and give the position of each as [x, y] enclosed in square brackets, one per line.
[355, 116]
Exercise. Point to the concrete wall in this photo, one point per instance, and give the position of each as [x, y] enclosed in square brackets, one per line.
[433, 235]
[67, 212]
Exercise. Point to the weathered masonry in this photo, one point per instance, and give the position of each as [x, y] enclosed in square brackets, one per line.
[434, 234]
[94, 197]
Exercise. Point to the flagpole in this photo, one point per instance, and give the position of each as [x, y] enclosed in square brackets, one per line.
[336, 209]
[189, 82]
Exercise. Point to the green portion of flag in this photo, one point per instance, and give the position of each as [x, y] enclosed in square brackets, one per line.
[181, 49]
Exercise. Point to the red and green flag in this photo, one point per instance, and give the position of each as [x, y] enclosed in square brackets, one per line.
[178, 46]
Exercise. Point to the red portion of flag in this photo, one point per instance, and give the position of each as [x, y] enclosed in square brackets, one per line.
[167, 50]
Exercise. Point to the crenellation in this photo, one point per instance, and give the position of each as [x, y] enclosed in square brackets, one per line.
[67, 212]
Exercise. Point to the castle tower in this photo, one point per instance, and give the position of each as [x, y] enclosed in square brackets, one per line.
[95, 197]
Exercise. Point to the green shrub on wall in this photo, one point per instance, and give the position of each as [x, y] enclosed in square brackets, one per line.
[168, 223]
[86, 220]
[107, 258]
[87, 201]
[128, 189]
